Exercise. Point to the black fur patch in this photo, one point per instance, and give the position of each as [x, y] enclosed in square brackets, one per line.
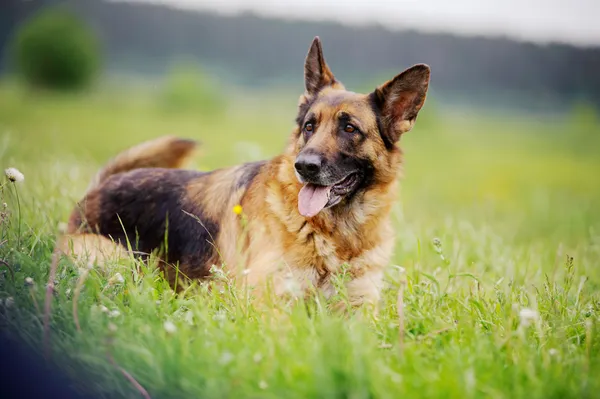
[147, 207]
[251, 170]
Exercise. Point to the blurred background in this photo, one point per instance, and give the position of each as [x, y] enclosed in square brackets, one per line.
[511, 121]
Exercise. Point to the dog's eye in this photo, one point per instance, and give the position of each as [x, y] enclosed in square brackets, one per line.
[349, 129]
[308, 127]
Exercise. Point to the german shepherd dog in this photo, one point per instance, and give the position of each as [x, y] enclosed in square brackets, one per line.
[322, 205]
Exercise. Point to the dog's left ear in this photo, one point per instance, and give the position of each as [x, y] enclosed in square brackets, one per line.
[317, 74]
[399, 101]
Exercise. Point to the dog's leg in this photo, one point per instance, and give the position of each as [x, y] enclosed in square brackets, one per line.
[91, 249]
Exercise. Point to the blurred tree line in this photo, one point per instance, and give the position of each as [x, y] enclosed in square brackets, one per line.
[250, 50]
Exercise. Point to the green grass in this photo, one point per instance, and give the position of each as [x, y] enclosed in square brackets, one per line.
[514, 203]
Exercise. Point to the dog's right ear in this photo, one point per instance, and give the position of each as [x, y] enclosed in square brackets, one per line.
[317, 74]
[400, 100]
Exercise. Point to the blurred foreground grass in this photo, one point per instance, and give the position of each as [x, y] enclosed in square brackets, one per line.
[513, 201]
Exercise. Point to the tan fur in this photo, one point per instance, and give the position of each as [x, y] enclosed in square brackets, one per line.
[163, 152]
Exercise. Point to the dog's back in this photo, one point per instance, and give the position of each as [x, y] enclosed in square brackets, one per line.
[135, 202]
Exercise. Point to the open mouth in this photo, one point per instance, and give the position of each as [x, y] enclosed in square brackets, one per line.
[313, 198]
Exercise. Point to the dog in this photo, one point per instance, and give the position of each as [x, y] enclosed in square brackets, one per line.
[322, 205]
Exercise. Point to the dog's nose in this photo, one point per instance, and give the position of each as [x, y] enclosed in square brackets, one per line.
[309, 165]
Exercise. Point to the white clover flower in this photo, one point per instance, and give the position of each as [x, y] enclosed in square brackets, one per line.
[116, 279]
[220, 315]
[9, 302]
[114, 313]
[14, 175]
[170, 327]
[528, 316]
[62, 227]
[400, 269]
[226, 358]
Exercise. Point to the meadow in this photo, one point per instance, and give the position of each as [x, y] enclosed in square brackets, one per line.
[494, 290]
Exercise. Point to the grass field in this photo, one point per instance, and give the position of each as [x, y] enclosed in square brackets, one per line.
[494, 290]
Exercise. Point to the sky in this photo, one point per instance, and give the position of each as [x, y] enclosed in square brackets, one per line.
[571, 21]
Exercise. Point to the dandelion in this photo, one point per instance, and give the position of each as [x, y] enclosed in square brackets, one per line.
[116, 279]
[170, 327]
[28, 281]
[237, 209]
[114, 313]
[263, 384]
[528, 316]
[14, 175]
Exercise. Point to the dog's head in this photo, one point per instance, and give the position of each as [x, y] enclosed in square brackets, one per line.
[345, 141]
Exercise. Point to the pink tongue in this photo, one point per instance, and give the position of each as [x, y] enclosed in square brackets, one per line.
[312, 198]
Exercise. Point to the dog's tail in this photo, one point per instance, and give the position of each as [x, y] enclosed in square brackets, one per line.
[163, 152]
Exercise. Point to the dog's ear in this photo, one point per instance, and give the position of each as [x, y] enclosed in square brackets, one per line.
[317, 74]
[399, 100]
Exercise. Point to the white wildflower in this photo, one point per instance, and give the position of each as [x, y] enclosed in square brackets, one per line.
[62, 227]
[528, 316]
[552, 352]
[226, 358]
[220, 315]
[114, 313]
[292, 286]
[14, 175]
[400, 269]
[470, 379]
[9, 302]
[263, 384]
[116, 279]
[170, 327]
[103, 309]
[28, 281]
